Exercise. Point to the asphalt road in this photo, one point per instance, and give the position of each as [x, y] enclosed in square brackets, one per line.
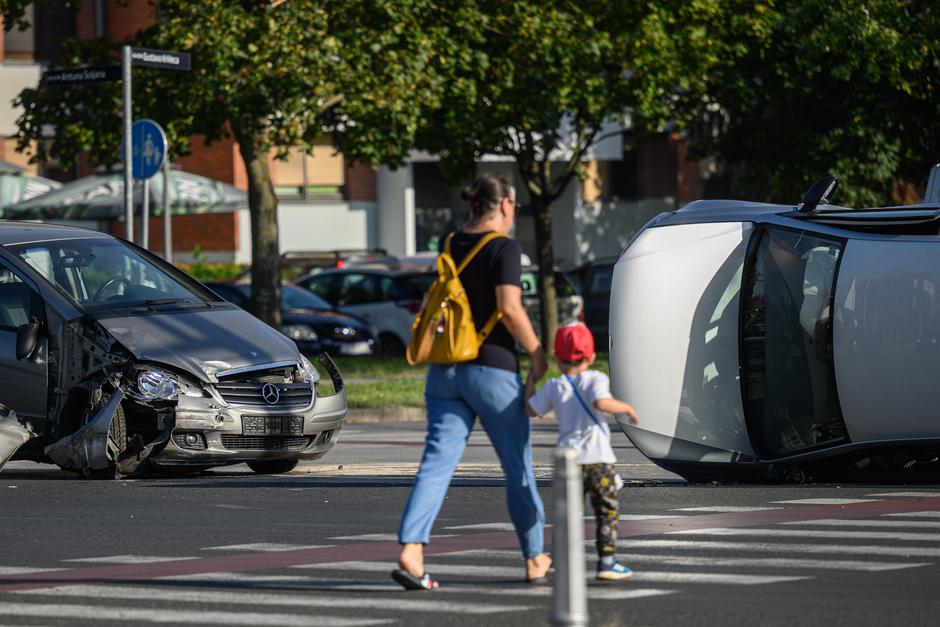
[315, 548]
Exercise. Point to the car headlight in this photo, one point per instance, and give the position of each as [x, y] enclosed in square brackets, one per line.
[308, 369]
[157, 385]
[300, 332]
[344, 333]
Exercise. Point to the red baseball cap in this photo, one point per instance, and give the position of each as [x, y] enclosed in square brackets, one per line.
[574, 342]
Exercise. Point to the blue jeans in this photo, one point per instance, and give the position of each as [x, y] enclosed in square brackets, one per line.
[455, 396]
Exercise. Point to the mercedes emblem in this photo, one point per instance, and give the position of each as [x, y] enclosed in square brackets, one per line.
[252, 354]
[270, 394]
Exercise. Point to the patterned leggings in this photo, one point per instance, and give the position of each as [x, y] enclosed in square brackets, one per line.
[599, 485]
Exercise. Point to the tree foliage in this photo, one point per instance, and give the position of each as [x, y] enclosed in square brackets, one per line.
[273, 77]
[843, 87]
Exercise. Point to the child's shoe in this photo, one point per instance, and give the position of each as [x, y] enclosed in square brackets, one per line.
[614, 571]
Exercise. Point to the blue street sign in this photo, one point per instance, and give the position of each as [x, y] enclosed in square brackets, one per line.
[149, 148]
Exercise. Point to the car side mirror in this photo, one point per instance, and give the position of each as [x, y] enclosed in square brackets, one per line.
[27, 338]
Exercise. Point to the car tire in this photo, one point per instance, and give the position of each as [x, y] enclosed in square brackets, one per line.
[390, 346]
[274, 466]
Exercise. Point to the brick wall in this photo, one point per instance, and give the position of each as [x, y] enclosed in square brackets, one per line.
[688, 175]
[360, 182]
[209, 231]
[2, 33]
[222, 161]
[123, 19]
[85, 20]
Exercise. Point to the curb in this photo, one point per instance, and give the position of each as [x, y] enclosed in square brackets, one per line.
[386, 414]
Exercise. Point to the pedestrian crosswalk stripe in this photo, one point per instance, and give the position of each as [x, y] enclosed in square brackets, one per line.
[381, 537]
[230, 577]
[833, 522]
[821, 501]
[503, 526]
[517, 572]
[23, 570]
[814, 533]
[725, 509]
[717, 562]
[97, 613]
[264, 547]
[928, 514]
[908, 494]
[768, 562]
[129, 559]
[920, 552]
[125, 593]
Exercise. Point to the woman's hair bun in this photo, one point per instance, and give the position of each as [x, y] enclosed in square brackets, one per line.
[468, 193]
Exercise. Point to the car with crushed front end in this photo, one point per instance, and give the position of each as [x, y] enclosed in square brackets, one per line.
[782, 342]
[114, 362]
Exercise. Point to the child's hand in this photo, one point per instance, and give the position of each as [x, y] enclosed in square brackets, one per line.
[631, 415]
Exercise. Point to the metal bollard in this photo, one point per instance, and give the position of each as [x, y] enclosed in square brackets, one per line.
[569, 602]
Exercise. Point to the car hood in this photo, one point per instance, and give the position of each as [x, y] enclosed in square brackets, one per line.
[202, 342]
[318, 316]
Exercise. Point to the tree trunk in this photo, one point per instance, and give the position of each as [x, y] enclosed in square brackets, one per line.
[548, 320]
[265, 248]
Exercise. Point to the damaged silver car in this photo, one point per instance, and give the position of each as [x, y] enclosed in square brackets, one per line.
[113, 362]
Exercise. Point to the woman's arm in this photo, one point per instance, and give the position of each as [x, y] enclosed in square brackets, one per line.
[516, 320]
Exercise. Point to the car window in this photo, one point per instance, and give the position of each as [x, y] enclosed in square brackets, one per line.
[16, 300]
[563, 287]
[322, 285]
[104, 273]
[601, 278]
[399, 288]
[230, 294]
[294, 298]
[358, 289]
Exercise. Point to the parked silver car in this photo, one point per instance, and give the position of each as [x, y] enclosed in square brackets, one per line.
[113, 361]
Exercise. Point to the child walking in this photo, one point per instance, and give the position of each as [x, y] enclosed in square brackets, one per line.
[581, 398]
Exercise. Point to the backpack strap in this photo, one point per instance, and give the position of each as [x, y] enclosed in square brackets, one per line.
[486, 239]
[584, 406]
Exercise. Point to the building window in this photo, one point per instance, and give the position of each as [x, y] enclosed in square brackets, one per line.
[317, 174]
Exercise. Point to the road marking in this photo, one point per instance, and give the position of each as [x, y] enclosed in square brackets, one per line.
[381, 537]
[129, 559]
[636, 517]
[813, 533]
[825, 501]
[919, 552]
[769, 562]
[836, 522]
[263, 547]
[236, 578]
[516, 573]
[684, 560]
[596, 593]
[486, 526]
[149, 615]
[925, 495]
[279, 600]
[929, 514]
[725, 509]
[23, 570]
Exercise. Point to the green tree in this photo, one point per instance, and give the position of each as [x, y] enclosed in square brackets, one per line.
[274, 75]
[843, 87]
[533, 78]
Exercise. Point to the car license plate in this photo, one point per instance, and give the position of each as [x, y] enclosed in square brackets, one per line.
[272, 425]
[355, 348]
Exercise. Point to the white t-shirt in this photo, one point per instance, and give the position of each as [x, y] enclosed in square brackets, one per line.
[575, 426]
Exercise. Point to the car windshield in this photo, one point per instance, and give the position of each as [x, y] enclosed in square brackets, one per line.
[104, 273]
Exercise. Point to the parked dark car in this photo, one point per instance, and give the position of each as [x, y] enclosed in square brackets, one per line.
[309, 320]
[386, 299]
[594, 279]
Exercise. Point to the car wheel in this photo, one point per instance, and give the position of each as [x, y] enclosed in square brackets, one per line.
[390, 346]
[274, 466]
[118, 434]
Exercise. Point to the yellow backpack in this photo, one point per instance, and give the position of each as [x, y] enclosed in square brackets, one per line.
[444, 332]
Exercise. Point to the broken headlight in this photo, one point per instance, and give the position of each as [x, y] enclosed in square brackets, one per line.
[157, 385]
[308, 371]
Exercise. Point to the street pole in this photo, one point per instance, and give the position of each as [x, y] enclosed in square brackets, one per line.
[569, 602]
[145, 216]
[167, 217]
[128, 146]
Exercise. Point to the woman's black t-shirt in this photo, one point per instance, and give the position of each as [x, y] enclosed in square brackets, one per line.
[499, 263]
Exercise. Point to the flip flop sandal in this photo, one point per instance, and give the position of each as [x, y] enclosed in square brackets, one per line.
[409, 581]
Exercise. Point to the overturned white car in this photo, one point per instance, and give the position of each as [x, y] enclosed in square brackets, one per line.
[772, 342]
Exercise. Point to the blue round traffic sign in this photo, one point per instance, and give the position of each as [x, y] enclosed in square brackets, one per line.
[149, 148]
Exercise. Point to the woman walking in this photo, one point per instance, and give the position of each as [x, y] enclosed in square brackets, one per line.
[489, 387]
